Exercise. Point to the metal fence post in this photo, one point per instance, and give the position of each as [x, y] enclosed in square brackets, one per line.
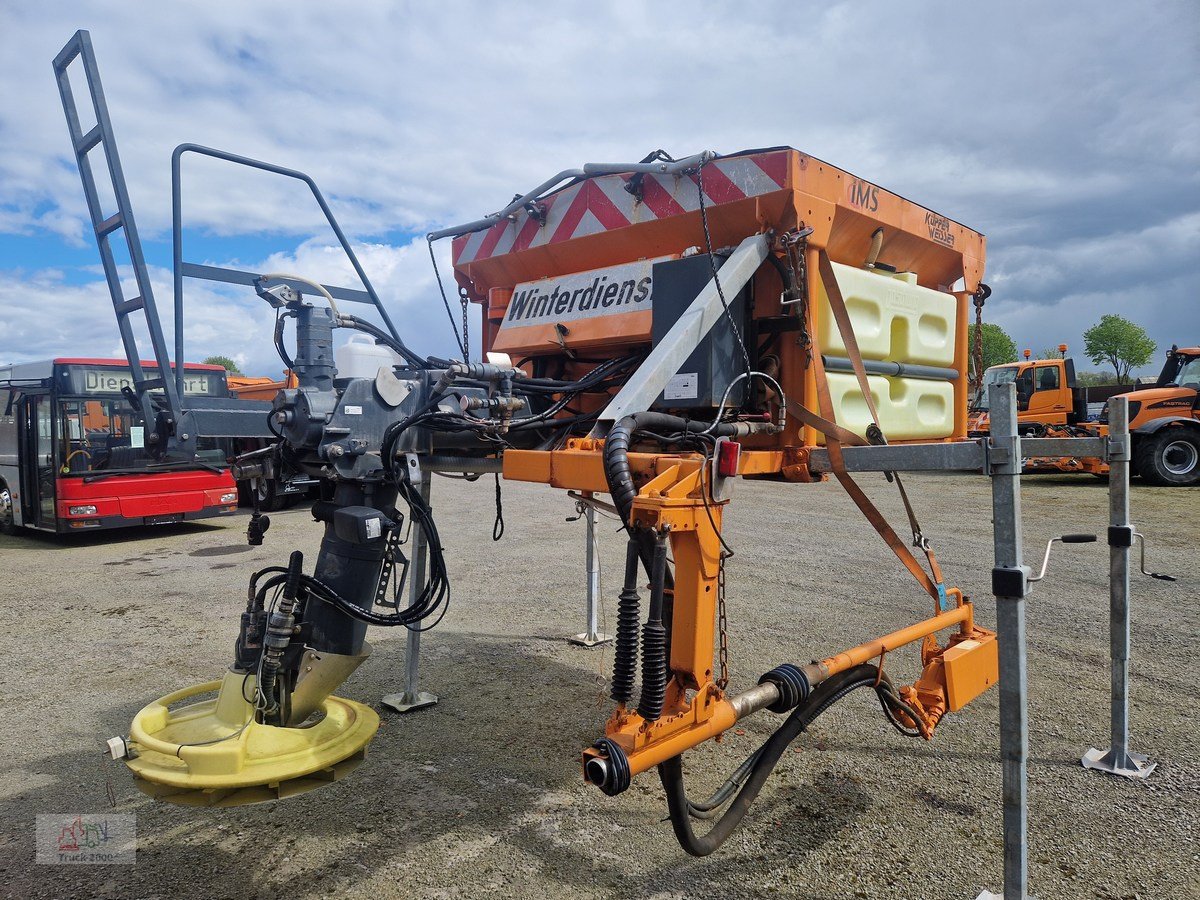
[592, 636]
[412, 698]
[1118, 760]
[1010, 580]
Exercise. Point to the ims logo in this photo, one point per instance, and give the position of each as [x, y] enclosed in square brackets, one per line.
[864, 195]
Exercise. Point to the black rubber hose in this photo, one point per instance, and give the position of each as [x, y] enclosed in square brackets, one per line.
[616, 450]
[670, 772]
[625, 647]
[654, 639]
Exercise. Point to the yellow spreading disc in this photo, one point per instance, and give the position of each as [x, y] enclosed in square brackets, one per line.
[211, 752]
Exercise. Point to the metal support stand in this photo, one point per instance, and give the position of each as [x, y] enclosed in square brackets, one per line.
[1010, 579]
[592, 636]
[412, 698]
[1118, 760]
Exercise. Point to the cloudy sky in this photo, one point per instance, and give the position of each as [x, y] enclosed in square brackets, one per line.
[1069, 133]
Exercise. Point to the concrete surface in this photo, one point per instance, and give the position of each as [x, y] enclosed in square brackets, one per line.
[482, 796]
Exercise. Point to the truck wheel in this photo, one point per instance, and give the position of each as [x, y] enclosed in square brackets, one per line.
[1169, 457]
[268, 495]
[7, 519]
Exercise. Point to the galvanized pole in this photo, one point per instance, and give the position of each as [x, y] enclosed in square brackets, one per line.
[1118, 760]
[412, 698]
[592, 636]
[1010, 580]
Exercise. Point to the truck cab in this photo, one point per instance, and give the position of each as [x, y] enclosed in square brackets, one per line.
[1046, 394]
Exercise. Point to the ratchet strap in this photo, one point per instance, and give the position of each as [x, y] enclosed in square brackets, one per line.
[836, 435]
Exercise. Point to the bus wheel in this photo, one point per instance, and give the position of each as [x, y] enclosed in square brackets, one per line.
[7, 519]
[1169, 457]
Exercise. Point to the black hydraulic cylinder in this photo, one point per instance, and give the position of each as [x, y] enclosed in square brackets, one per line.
[351, 570]
[314, 347]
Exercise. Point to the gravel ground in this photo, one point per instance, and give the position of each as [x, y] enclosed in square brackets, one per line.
[481, 795]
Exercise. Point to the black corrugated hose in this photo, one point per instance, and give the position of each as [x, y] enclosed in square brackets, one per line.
[620, 477]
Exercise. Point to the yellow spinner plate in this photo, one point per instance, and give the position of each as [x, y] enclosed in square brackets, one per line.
[211, 752]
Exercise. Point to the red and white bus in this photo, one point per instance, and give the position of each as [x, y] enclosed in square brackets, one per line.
[73, 454]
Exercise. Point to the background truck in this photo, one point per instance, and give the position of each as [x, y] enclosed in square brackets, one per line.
[1164, 420]
[1046, 394]
[281, 487]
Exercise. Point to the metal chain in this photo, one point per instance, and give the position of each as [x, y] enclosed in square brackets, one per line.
[722, 626]
[712, 258]
[466, 338]
[796, 247]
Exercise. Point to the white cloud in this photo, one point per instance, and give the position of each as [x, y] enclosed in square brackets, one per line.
[1065, 131]
[226, 320]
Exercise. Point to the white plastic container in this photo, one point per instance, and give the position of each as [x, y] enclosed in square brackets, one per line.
[361, 357]
[910, 409]
[894, 318]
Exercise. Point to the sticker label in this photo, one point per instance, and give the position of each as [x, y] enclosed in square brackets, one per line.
[137, 436]
[684, 386]
[374, 529]
[583, 295]
[353, 410]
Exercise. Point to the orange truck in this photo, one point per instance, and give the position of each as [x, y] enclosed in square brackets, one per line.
[1047, 394]
[1164, 420]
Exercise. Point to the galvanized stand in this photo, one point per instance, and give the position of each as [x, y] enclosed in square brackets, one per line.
[412, 698]
[1010, 578]
[1118, 759]
[592, 636]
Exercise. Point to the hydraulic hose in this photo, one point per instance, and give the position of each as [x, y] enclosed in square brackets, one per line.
[765, 759]
[616, 450]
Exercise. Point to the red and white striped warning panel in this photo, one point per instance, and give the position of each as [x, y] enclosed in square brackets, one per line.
[603, 204]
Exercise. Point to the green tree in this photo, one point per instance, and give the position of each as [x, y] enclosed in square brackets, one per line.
[998, 347]
[1117, 341]
[224, 362]
[1092, 379]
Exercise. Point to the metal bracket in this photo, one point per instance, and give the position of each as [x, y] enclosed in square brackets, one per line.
[412, 466]
[1117, 448]
[1010, 582]
[1003, 457]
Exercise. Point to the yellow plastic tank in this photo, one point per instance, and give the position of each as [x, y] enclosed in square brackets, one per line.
[895, 320]
[910, 409]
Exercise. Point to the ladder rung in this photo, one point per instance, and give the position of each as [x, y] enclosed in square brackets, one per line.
[89, 140]
[109, 225]
[129, 306]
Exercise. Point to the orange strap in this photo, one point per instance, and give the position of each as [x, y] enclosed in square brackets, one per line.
[834, 439]
[823, 425]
